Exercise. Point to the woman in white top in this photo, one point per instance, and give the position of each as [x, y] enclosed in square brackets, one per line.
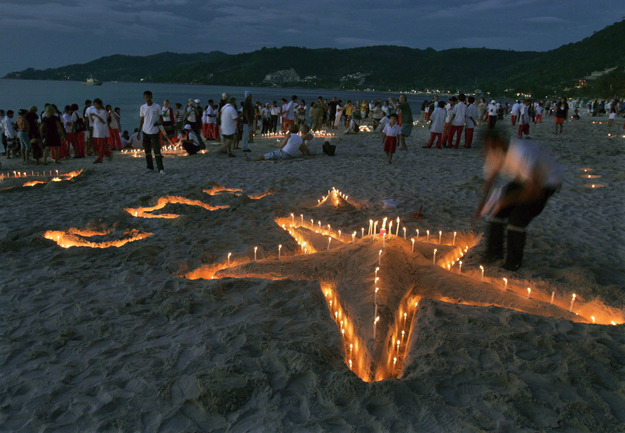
[114, 140]
[339, 113]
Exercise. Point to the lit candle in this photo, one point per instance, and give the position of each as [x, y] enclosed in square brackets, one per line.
[405, 318]
[417, 234]
[255, 249]
[394, 363]
[427, 238]
[362, 232]
[350, 364]
[312, 224]
[572, 303]
[397, 231]
[434, 257]
[460, 267]
[354, 236]
[553, 295]
[403, 334]
[375, 296]
[404, 233]
[380, 258]
[529, 291]
[398, 341]
[351, 350]
[384, 222]
[593, 319]
[376, 271]
[412, 244]
[440, 237]
[390, 228]
[482, 268]
[339, 235]
[505, 284]
[329, 241]
[302, 219]
[375, 228]
[229, 254]
[279, 250]
[370, 227]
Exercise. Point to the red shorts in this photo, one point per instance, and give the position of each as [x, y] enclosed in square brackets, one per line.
[559, 119]
[390, 144]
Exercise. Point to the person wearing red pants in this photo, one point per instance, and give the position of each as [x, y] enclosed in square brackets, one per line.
[514, 113]
[524, 119]
[114, 140]
[457, 121]
[98, 120]
[78, 131]
[437, 125]
[471, 121]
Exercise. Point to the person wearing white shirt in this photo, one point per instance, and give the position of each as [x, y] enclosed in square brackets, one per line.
[437, 125]
[68, 124]
[98, 120]
[514, 114]
[9, 132]
[492, 114]
[114, 139]
[136, 141]
[383, 121]
[449, 112]
[471, 121]
[524, 119]
[534, 176]
[539, 113]
[211, 115]
[389, 137]
[289, 148]
[189, 140]
[457, 121]
[229, 118]
[151, 118]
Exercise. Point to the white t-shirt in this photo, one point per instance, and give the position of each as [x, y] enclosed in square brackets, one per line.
[471, 113]
[492, 109]
[275, 110]
[292, 146]
[386, 109]
[191, 137]
[190, 114]
[384, 121]
[460, 111]
[67, 122]
[449, 109]
[114, 124]
[151, 114]
[539, 110]
[229, 118]
[9, 127]
[99, 125]
[438, 120]
[392, 131]
[211, 115]
[515, 109]
[136, 140]
[519, 163]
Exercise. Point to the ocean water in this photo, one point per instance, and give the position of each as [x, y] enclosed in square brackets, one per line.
[16, 94]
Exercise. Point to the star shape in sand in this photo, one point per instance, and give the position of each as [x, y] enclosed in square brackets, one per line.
[345, 267]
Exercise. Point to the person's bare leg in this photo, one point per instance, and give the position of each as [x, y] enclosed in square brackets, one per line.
[402, 139]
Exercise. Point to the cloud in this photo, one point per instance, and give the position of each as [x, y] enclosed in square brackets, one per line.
[475, 7]
[546, 20]
[364, 42]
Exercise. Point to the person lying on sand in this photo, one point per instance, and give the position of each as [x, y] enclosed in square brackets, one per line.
[289, 147]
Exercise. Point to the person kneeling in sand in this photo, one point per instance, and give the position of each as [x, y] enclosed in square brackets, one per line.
[535, 175]
[189, 140]
[288, 148]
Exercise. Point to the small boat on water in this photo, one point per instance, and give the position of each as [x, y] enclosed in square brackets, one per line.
[92, 82]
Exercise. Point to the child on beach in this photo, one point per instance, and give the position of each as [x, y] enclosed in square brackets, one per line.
[389, 137]
[612, 112]
[437, 125]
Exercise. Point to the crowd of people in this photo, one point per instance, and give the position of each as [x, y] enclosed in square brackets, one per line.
[95, 129]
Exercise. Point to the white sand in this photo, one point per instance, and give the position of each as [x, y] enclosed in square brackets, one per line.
[118, 339]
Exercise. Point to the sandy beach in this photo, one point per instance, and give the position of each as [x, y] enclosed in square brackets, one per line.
[180, 329]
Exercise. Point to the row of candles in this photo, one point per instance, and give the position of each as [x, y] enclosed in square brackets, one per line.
[25, 174]
[282, 134]
[590, 176]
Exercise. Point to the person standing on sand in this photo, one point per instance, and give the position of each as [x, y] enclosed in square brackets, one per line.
[89, 130]
[481, 111]
[229, 118]
[389, 137]
[22, 134]
[524, 119]
[437, 125]
[247, 119]
[515, 112]
[562, 112]
[151, 119]
[406, 119]
[78, 132]
[536, 176]
[492, 114]
[612, 112]
[459, 114]
[98, 120]
[34, 133]
[10, 133]
[51, 130]
[471, 121]
[169, 121]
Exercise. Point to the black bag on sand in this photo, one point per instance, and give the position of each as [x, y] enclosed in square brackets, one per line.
[328, 148]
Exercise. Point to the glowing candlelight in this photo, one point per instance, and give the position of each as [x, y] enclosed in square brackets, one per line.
[572, 303]
[394, 363]
[229, 254]
[380, 258]
[279, 251]
[397, 231]
[354, 236]
[342, 331]
[350, 364]
[529, 291]
[302, 219]
[376, 271]
[403, 334]
[404, 233]
[370, 227]
[460, 267]
[339, 235]
[384, 222]
[329, 230]
[398, 341]
[482, 268]
[329, 241]
[505, 284]
[434, 257]
[412, 244]
[375, 296]
[553, 294]
[417, 234]
[427, 238]
[454, 241]
[593, 319]
[375, 323]
[319, 225]
[390, 228]
[440, 237]
[312, 224]
[351, 350]
[375, 228]
[255, 249]
[362, 232]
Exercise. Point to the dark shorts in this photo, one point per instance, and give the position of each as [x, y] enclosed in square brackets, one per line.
[521, 214]
[228, 136]
[406, 129]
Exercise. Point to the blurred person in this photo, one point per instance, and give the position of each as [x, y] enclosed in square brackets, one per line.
[51, 130]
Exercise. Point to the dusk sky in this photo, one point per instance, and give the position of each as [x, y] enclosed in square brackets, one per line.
[43, 34]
